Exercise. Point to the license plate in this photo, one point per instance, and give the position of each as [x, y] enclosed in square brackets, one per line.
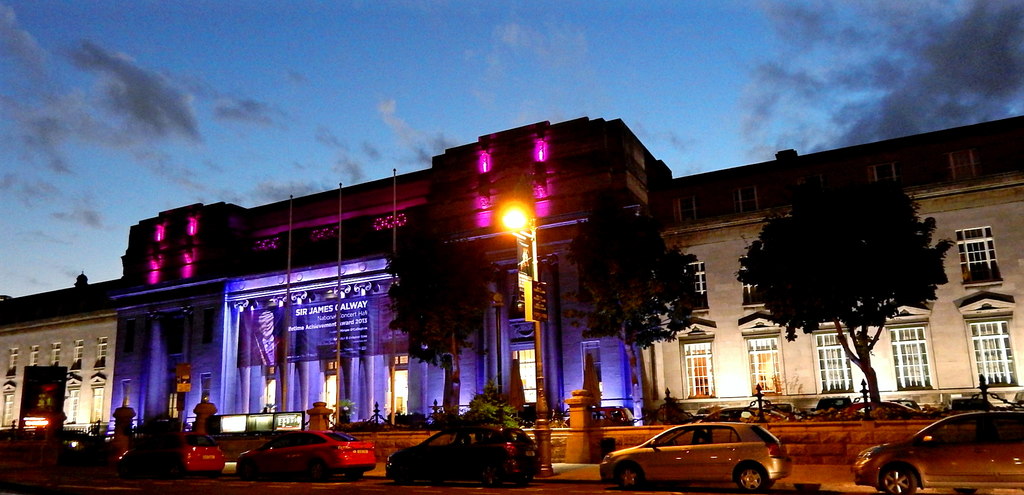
[209, 456]
[361, 451]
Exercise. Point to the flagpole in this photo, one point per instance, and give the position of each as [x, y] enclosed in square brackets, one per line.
[337, 323]
[394, 251]
[283, 367]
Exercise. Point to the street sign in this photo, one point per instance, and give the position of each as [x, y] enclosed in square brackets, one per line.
[183, 377]
[540, 301]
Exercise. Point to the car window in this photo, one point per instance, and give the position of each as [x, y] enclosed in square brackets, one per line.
[281, 442]
[517, 436]
[683, 436]
[720, 434]
[963, 431]
[341, 437]
[489, 437]
[200, 441]
[1008, 429]
[442, 439]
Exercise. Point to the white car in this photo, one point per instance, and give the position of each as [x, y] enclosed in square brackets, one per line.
[743, 453]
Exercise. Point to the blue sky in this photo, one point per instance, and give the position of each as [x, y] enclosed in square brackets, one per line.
[111, 112]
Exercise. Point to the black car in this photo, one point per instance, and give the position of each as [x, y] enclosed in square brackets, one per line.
[488, 454]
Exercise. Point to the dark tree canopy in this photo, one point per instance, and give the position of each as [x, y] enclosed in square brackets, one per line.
[850, 257]
[637, 288]
[439, 299]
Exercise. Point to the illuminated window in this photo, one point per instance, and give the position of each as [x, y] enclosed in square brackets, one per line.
[159, 233]
[400, 387]
[764, 364]
[76, 355]
[484, 163]
[992, 351]
[977, 251]
[910, 358]
[884, 172]
[700, 285]
[12, 367]
[193, 226]
[96, 414]
[8, 409]
[270, 395]
[527, 372]
[833, 365]
[55, 353]
[697, 364]
[172, 405]
[751, 296]
[71, 405]
[33, 356]
[540, 152]
[963, 164]
[101, 352]
[744, 199]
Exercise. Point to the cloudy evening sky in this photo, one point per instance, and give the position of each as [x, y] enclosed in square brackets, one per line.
[112, 111]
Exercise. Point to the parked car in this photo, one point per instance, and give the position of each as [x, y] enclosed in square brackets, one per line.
[172, 455]
[743, 453]
[316, 454]
[743, 414]
[911, 403]
[489, 454]
[885, 409]
[965, 452]
[610, 416]
[826, 403]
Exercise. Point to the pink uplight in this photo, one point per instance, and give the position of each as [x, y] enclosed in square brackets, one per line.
[484, 218]
[193, 226]
[484, 165]
[542, 208]
[159, 233]
[540, 150]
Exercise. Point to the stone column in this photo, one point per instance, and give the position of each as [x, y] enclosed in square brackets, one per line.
[319, 416]
[203, 411]
[581, 439]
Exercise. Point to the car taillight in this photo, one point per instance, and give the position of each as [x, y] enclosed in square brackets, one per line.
[511, 449]
[775, 449]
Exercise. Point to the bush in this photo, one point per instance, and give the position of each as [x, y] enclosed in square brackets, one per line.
[491, 408]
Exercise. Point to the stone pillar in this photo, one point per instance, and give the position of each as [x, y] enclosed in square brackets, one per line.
[579, 443]
[121, 441]
[203, 411]
[319, 416]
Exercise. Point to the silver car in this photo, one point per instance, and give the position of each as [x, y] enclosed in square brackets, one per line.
[964, 452]
[744, 453]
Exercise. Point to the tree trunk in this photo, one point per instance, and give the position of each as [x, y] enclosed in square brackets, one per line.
[860, 354]
[453, 381]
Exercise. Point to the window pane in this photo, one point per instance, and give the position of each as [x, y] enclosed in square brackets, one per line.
[910, 358]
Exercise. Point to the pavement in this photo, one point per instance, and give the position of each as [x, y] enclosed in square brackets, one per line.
[28, 478]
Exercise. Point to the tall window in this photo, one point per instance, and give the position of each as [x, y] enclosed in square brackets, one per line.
[33, 356]
[71, 405]
[206, 385]
[129, 336]
[992, 351]
[764, 364]
[699, 377]
[55, 353]
[527, 372]
[12, 361]
[8, 409]
[744, 199]
[910, 357]
[751, 295]
[76, 356]
[833, 364]
[400, 388]
[977, 251]
[101, 352]
[97, 404]
[700, 284]
[685, 208]
[963, 164]
[884, 172]
[592, 348]
[208, 324]
[270, 395]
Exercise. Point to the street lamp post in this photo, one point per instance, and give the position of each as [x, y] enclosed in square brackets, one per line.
[524, 226]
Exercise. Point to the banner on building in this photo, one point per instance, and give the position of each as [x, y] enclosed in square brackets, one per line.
[42, 402]
[313, 331]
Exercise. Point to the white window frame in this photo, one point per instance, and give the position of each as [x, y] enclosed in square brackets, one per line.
[8, 420]
[765, 365]
[963, 164]
[834, 370]
[698, 363]
[885, 172]
[98, 397]
[685, 208]
[910, 357]
[71, 403]
[527, 371]
[993, 353]
[700, 282]
[55, 348]
[33, 356]
[744, 199]
[977, 249]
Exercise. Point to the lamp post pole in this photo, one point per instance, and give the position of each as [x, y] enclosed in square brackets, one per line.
[525, 230]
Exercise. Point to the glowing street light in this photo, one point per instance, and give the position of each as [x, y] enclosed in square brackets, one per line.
[523, 224]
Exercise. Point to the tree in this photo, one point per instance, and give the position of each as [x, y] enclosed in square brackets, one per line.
[635, 287]
[438, 300]
[850, 256]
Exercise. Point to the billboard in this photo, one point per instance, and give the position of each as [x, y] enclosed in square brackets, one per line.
[43, 398]
[313, 331]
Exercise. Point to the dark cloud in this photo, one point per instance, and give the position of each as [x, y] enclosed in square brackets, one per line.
[19, 45]
[878, 71]
[371, 152]
[247, 111]
[349, 169]
[146, 100]
[327, 138]
[276, 190]
[82, 215]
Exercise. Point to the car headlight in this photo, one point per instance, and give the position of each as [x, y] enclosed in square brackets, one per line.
[868, 453]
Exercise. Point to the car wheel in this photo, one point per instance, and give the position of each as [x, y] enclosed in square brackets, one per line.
[317, 471]
[897, 480]
[247, 471]
[401, 474]
[524, 479]
[353, 475]
[175, 470]
[629, 477]
[752, 478]
[491, 475]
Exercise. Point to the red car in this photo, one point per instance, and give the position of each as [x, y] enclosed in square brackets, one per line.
[172, 455]
[317, 454]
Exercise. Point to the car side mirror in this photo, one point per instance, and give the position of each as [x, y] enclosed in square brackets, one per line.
[927, 440]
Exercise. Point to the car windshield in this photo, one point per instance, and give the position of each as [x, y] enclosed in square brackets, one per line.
[341, 437]
[517, 436]
[200, 441]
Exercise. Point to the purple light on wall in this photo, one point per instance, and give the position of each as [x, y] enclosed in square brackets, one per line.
[542, 208]
[484, 164]
[193, 226]
[484, 218]
[188, 257]
[540, 150]
[159, 233]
